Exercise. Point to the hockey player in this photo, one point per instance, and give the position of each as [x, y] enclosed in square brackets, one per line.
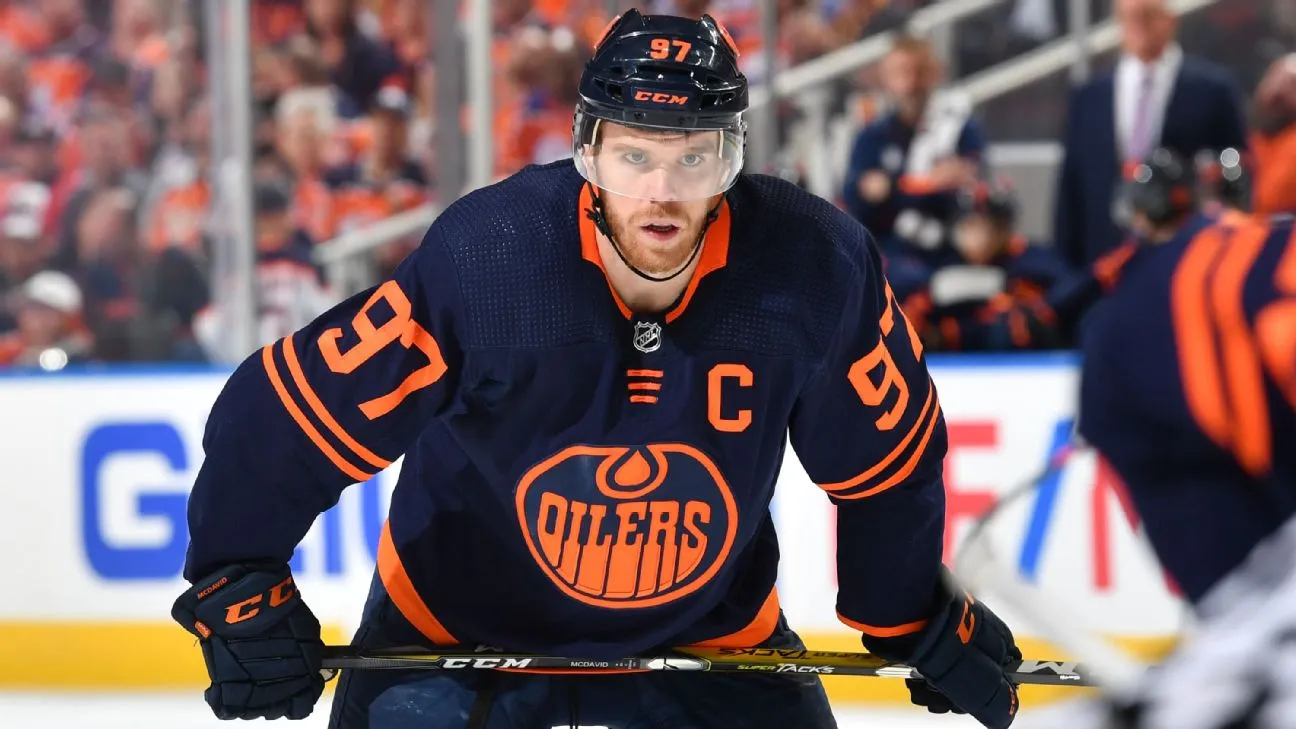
[1188, 389]
[591, 369]
[993, 297]
[1162, 197]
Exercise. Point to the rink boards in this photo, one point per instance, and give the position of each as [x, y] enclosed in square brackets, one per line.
[97, 465]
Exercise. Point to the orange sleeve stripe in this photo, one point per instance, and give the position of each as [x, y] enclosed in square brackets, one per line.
[1276, 338]
[321, 412]
[925, 417]
[884, 632]
[754, 633]
[1195, 338]
[908, 467]
[345, 466]
[404, 596]
[1244, 377]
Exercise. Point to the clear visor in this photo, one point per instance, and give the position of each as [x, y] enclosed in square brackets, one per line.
[662, 165]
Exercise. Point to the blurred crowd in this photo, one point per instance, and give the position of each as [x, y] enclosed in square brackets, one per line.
[108, 219]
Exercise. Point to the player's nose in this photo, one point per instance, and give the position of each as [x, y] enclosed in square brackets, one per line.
[657, 186]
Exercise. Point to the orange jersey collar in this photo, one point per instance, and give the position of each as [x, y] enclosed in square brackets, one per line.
[713, 257]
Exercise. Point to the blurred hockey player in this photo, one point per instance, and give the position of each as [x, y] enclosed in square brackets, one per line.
[1162, 198]
[1189, 390]
[591, 369]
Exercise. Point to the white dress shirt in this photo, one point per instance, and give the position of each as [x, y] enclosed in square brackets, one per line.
[1130, 74]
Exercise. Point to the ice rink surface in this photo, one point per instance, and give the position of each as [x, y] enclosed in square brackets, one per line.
[187, 711]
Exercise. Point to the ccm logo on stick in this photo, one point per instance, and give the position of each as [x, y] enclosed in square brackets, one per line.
[485, 662]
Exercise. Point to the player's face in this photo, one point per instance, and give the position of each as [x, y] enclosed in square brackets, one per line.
[660, 166]
[977, 239]
[672, 178]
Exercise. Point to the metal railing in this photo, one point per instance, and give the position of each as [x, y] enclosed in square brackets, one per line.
[861, 53]
[1054, 57]
[341, 256]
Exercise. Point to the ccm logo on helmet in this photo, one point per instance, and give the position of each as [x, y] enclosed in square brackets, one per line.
[661, 97]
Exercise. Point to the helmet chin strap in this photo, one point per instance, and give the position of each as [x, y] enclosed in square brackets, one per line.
[597, 214]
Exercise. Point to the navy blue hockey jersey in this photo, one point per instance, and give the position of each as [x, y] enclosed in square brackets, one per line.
[1189, 387]
[578, 478]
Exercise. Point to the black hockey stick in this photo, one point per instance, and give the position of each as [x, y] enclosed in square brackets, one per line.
[725, 660]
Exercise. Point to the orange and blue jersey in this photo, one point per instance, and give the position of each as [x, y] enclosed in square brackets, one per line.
[579, 478]
[1189, 390]
[1017, 316]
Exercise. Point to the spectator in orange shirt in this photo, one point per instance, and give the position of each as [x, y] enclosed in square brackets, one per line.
[61, 70]
[179, 219]
[384, 181]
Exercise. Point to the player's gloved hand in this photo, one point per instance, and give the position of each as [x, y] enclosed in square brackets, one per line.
[261, 643]
[961, 655]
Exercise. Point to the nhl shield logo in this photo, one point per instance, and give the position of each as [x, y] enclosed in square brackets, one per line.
[647, 336]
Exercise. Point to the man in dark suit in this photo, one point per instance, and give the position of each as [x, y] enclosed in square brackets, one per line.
[1156, 97]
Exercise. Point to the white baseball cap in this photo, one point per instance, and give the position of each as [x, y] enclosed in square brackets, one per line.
[54, 289]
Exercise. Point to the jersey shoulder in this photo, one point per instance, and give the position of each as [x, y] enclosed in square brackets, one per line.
[797, 260]
[1181, 341]
[514, 247]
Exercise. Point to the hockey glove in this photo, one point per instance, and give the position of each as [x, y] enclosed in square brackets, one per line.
[961, 654]
[261, 643]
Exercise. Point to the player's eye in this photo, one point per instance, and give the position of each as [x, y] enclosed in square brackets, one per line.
[635, 157]
[692, 159]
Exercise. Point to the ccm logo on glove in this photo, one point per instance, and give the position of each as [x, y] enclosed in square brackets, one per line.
[260, 642]
[279, 594]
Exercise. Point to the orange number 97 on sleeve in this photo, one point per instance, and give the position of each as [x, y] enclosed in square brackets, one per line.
[661, 48]
[374, 339]
[860, 375]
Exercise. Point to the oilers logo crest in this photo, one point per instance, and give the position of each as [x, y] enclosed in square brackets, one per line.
[627, 527]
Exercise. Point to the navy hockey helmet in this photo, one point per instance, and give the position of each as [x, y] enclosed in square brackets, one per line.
[1163, 188]
[668, 75]
[996, 202]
